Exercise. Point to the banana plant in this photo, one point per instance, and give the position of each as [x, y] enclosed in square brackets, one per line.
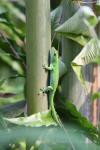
[75, 27]
[80, 28]
[89, 54]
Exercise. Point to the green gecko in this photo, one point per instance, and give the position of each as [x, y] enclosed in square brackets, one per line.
[54, 78]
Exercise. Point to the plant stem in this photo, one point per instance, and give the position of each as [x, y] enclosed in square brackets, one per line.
[71, 88]
[38, 43]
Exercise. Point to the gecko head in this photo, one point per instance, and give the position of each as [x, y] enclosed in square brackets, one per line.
[53, 54]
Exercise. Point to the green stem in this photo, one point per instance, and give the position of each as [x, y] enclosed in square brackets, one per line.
[69, 50]
[38, 43]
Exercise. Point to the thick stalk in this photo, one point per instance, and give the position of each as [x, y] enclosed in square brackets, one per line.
[71, 88]
[38, 42]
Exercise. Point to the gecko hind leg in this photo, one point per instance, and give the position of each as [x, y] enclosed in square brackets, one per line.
[47, 89]
[48, 67]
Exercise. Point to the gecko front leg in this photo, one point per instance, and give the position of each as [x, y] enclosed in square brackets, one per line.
[50, 68]
[46, 89]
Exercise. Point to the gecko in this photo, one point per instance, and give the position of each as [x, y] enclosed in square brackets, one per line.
[54, 78]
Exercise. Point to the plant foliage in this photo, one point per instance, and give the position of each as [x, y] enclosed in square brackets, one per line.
[38, 131]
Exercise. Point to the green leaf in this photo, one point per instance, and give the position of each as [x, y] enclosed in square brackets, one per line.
[96, 96]
[76, 27]
[55, 17]
[13, 11]
[19, 145]
[70, 113]
[10, 32]
[78, 71]
[11, 101]
[35, 120]
[7, 58]
[80, 39]
[98, 5]
[89, 54]
[12, 108]
[3, 123]
[20, 2]
[5, 71]
[98, 18]
[2, 10]
[9, 85]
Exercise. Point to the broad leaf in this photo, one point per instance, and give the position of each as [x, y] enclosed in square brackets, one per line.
[19, 2]
[80, 39]
[4, 101]
[70, 114]
[6, 71]
[98, 5]
[44, 138]
[96, 96]
[9, 85]
[3, 123]
[99, 18]
[10, 32]
[56, 17]
[2, 10]
[89, 54]
[35, 120]
[7, 58]
[75, 27]
[12, 10]
[12, 109]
